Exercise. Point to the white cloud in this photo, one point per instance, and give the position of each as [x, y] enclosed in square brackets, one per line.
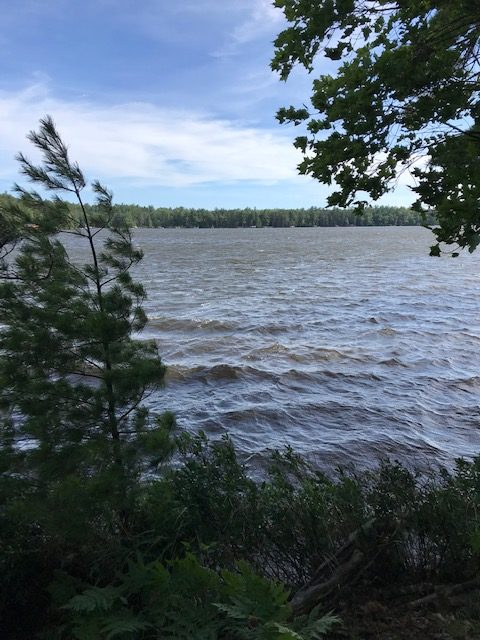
[264, 19]
[146, 144]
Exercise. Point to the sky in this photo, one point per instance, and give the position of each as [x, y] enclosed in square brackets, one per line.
[168, 103]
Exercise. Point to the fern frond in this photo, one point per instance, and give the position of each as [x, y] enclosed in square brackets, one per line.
[122, 624]
[281, 632]
[95, 599]
[315, 626]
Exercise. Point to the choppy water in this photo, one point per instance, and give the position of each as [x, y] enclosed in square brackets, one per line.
[347, 343]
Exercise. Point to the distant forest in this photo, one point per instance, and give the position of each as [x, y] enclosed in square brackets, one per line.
[138, 216]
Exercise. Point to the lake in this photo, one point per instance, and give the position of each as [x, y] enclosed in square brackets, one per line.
[349, 344]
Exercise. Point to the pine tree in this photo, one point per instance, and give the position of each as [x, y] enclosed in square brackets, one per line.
[72, 377]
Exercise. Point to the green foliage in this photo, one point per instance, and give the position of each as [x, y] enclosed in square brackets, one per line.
[451, 185]
[70, 367]
[315, 625]
[216, 497]
[140, 216]
[13, 223]
[399, 92]
[75, 438]
[232, 218]
[283, 526]
[287, 524]
[221, 562]
[185, 600]
[253, 602]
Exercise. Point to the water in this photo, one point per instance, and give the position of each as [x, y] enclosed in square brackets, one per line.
[349, 344]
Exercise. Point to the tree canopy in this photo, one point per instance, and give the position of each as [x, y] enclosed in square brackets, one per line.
[402, 95]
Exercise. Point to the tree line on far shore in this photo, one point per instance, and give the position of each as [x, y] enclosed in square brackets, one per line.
[134, 215]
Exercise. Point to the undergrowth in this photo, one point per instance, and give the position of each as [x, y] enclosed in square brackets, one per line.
[212, 553]
[298, 516]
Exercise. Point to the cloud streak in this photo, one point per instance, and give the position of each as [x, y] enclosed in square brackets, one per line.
[147, 145]
[263, 20]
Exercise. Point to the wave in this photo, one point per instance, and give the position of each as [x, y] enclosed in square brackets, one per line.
[227, 372]
[312, 379]
[393, 362]
[472, 382]
[190, 324]
[216, 372]
[307, 355]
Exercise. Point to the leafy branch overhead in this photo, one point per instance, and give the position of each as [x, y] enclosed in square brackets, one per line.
[402, 96]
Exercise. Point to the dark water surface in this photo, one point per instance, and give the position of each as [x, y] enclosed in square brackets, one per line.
[347, 343]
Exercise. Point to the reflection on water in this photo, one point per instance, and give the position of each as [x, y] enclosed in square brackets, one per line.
[348, 343]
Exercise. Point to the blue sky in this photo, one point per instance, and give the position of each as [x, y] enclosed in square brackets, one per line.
[168, 103]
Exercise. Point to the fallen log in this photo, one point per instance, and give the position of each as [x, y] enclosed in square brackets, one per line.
[307, 598]
[344, 567]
